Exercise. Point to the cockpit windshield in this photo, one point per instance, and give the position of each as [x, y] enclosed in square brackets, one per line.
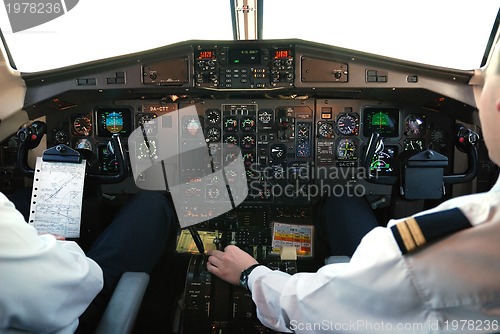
[443, 33]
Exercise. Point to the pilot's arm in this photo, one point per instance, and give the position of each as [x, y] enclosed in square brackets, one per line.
[46, 284]
[380, 286]
[368, 288]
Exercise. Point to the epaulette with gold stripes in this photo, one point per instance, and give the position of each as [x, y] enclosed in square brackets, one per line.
[414, 232]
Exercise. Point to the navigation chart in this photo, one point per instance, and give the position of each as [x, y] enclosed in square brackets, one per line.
[56, 202]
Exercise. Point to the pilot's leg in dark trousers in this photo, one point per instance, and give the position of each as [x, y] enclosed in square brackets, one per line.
[134, 241]
[341, 224]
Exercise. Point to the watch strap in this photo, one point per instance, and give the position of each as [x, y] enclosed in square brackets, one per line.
[245, 273]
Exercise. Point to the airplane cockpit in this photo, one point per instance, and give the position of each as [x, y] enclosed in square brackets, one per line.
[246, 135]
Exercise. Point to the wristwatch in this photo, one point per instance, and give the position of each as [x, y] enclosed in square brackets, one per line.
[245, 273]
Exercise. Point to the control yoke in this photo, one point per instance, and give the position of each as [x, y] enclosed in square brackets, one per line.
[31, 136]
[421, 174]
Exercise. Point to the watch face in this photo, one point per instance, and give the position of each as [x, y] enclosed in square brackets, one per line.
[244, 275]
[244, 280]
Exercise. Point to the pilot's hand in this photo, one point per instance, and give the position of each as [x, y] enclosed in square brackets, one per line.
[229, 264]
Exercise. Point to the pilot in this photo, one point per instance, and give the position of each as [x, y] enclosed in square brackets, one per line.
[435, 272]
[49, 285]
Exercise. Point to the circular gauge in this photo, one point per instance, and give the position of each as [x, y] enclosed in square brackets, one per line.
[114, 122]
[213, 116]
[231, 175]
[265, 116]
[248, 124]
[325, 130]
[147, 150]
[413, 144]
[83, 144]
[213, 135]
[278, 151]
[346, 149]
[229, 157]
[437, 136]
[438, 139]
[415, 125]
[231, 139]
[303, 134]
[230, 124]
[82, 125]
[61, 137]
[303, 150]
[250, 174]
[248, 142]
[248, 158]
[213, 192]
[192, 126]
[347, 124]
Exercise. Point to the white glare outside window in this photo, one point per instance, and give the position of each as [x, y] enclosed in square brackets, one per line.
[96, 29]
[447, 33]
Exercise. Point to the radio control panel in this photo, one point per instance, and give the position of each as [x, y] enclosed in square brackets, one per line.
[258, 67]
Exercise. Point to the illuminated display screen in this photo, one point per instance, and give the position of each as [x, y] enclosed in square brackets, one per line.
[384, 161]
[244, 56]
[279, 54]
[206, 54]
[384, 121]
[107, 159]
[113, 120]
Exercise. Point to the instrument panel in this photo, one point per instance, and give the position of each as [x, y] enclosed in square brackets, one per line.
[293, 152]
[291, 149]
[300, 113]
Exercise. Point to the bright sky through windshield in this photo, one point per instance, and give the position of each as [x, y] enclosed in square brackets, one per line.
[98, 29]
[446, 33]
[450, 33]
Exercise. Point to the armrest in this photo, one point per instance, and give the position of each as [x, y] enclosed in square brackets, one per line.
[124, 305]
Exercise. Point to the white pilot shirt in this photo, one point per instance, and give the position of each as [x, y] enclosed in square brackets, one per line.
[45, 284]
[449, 286]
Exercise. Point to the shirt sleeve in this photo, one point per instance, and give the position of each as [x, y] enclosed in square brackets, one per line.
[374, 288]
[46, 284]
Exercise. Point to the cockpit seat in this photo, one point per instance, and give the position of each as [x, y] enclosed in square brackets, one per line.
[121, 312]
